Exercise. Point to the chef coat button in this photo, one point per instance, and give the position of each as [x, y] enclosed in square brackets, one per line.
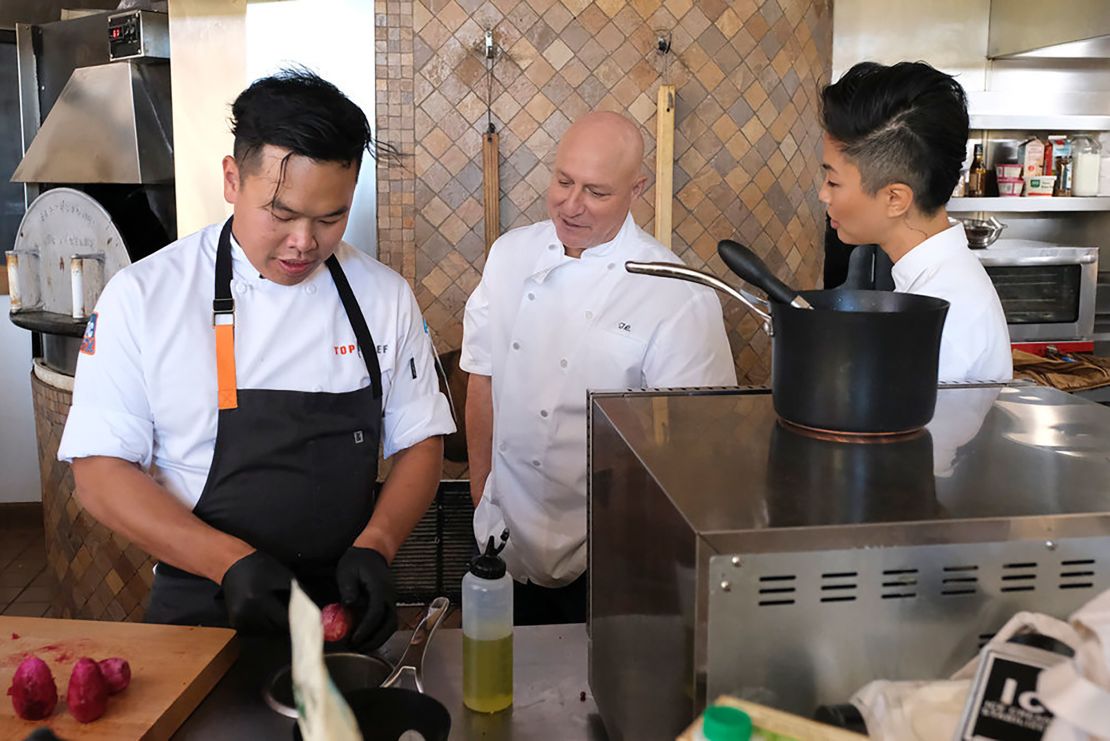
[531, 297]
[503, 447]
[240, 288]
[543, 412]
[536, 463]
[516, 345]
[550, 246]
[589, 315]
[611, 265]
[310, 290]
[563, 363]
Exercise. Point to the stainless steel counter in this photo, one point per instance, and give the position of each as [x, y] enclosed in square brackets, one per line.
[730, 553]
[549, 679]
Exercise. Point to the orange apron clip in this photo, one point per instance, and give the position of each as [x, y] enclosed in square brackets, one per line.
[225, 366]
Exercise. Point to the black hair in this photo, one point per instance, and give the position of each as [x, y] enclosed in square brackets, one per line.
[906, 123]
[298, 110]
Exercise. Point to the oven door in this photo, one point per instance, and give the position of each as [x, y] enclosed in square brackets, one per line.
[1046, 296]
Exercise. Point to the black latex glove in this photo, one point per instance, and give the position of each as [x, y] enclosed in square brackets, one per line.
[256, 592]
[366, 584]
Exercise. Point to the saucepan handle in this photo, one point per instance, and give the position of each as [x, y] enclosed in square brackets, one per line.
[681, 272]
[411, 664]
[751, 268]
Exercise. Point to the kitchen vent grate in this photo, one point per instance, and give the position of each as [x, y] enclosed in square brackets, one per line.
[435, 557]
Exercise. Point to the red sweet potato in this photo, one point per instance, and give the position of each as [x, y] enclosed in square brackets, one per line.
[117, 674]
[337, 621]
[87, 694]
[33, 691]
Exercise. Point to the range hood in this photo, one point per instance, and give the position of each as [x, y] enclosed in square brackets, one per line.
[112, 123]
[1063, 29]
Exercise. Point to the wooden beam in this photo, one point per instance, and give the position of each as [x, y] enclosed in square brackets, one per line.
[491, 187]
[664, 163]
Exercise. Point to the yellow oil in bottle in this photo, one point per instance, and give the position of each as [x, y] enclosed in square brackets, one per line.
[488, 674]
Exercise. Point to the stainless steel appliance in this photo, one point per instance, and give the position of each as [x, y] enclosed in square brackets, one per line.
[732, 554]
[1047, 291]
[97, 167]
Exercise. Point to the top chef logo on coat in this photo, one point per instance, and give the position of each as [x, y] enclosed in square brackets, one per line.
[88, 342]
[352, 349]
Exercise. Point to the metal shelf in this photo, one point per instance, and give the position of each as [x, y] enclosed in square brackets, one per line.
[1033, 204]
[1032, 122]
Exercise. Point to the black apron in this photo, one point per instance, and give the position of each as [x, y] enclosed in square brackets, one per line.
[293, 474]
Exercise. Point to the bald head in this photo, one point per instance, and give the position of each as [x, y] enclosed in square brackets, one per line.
[598, 172]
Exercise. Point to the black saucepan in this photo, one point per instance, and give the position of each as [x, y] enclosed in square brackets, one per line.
[860, 362]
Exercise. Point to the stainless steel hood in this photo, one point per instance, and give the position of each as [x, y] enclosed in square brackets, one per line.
[1064, 29]
[112, 123]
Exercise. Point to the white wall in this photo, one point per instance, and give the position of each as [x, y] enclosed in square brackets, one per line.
[208, 70]
[218, 47]
[951, 35]
[19, 458]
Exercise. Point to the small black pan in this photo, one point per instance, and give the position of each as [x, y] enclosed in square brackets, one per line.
[387, 713]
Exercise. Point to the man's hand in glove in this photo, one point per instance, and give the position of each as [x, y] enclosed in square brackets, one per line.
[256, 591]
[365, 581]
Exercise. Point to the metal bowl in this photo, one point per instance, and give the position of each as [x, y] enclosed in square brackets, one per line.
[982, 233]
[349, 672]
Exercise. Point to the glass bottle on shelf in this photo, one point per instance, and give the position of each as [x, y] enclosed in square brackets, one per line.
[1062, 166]
[1085, 157]
[977, 175]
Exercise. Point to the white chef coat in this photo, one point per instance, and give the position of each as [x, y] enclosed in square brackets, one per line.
[547, 327]
[147, 393]
[975, 346]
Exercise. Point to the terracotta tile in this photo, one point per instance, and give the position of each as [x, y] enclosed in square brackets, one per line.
[539, 107]
[592, 18]
[710, 75]
[678, 8]
[592, 54]
[451, 15]
[506, 106]
[643, 8]
[610, 7]
[557, 17]
[558, 54]
[757, 26]
[629, 55]
[694, 22]
[574, 35]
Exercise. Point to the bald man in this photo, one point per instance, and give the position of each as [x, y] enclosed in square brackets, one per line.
[556, 315]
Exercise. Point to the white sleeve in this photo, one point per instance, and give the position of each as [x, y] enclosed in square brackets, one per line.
[110, 414]
[476, 350]
[691, 348]
[414, 408]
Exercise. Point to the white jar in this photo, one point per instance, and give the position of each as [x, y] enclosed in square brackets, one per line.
[1086, 157]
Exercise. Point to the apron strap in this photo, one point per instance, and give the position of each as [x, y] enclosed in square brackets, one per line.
[223, 321]
[358, 323]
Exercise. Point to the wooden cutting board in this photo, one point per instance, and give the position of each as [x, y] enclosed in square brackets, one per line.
[173, 669]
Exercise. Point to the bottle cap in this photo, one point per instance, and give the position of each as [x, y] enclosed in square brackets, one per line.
[722, 723]
[489, 565]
